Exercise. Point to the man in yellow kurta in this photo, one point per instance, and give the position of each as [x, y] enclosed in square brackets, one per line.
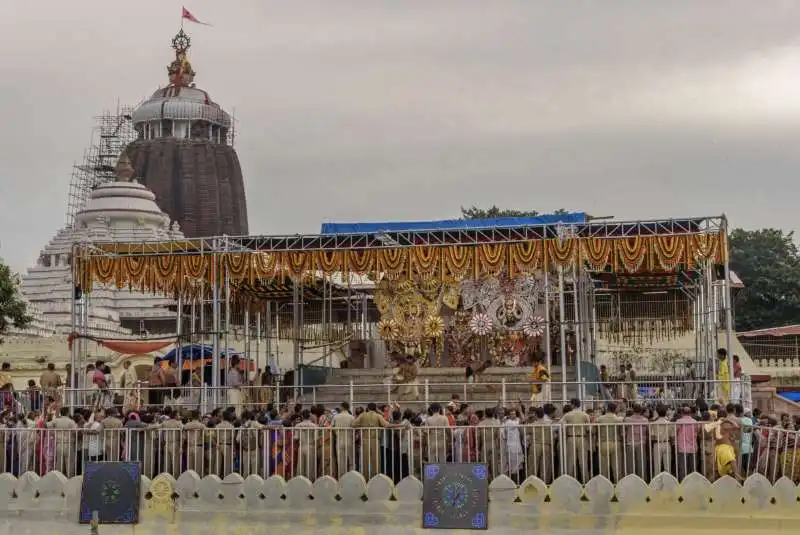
[723, 376]
[371, 421]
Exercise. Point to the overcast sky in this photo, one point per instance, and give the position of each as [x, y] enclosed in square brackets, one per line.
[355, 110]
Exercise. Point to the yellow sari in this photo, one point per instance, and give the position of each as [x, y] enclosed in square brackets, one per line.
[723, 377]
[725, 456]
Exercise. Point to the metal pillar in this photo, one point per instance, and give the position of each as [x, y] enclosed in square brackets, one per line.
[247, 340]
[726, 296]
[578, 320]
[258, 346]
[295, 335]
[561, 326]
[227, 318]
[73, 329]
[548, 351]
[215, 319]
[179, 333]
[268, 335]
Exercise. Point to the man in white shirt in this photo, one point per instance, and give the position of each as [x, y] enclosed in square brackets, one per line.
[93, 436]
[233, 381]
[345, 444]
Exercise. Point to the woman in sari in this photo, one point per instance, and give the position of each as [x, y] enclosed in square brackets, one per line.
[790, 456]
[281, 454]
[327, 462]
[46, 443]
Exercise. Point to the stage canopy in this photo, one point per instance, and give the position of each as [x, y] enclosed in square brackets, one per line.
[452, 224]
[454, 251]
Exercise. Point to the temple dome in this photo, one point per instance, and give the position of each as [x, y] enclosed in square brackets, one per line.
[181, 103]
[124, 202]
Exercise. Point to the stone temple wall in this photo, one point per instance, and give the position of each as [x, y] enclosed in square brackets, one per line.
[196, 506]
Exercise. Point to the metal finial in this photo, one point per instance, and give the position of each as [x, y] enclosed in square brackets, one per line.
[181, 42]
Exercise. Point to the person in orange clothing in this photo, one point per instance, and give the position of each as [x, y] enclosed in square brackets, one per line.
[540, 378]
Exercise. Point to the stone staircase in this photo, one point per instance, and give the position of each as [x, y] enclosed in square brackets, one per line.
[497, 384]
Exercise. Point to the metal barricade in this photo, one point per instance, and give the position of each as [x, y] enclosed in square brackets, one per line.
[504, 439]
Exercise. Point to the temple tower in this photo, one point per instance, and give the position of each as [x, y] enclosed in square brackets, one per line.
[184, 154]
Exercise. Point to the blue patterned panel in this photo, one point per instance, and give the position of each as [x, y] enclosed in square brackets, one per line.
[112, 489]
[455, 496]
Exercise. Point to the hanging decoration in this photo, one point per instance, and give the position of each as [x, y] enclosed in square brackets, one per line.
[509, 302]
[535, 327]
[481, 324]
[434, 327]
[463, 347]
[388, 329]
[410, 311]
[175, 267]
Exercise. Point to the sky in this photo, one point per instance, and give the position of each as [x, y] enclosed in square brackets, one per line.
[370, 110]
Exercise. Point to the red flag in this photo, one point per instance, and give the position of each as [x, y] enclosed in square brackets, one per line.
[186, 14]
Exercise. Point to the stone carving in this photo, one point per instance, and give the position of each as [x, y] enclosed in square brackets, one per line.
[124, 169]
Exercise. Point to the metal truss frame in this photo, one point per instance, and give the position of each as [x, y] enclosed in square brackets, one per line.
[416, 238]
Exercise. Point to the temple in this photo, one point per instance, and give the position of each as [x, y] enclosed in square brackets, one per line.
[184, 154]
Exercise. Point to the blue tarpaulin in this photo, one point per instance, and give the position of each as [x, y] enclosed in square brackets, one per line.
[451, 224]
[791, 396]
[195, 352]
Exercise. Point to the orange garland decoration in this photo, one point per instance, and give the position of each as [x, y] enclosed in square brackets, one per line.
[156, 269]
[632, 253]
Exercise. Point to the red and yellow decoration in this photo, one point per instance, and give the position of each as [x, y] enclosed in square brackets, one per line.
[145, 267]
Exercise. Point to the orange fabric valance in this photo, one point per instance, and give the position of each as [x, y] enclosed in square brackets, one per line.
[125, 347]
[180, 273]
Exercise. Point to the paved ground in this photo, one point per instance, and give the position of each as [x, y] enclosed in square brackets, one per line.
[384, 524]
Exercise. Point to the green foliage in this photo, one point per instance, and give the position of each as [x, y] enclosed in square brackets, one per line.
[768, 262]
[493, 212]
[13, 310]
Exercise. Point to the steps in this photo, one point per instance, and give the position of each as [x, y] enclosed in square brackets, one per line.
[496, 385]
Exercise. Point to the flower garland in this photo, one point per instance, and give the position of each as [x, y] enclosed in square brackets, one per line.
[669, 251]
[632, 252]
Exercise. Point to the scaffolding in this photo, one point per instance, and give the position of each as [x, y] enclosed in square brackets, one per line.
[112, 132]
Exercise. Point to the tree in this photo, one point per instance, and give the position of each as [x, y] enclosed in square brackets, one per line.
[475, 212]
[13, 310]
[768, 262]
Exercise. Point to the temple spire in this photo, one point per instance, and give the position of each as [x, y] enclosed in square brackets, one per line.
[180, 70]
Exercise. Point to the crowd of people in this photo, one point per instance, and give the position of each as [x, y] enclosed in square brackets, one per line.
[518, 440]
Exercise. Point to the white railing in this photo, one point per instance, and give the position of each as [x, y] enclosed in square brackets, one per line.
[297, 446]
[674, 393]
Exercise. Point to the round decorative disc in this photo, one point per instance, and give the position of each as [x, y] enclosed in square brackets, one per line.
[181, 42]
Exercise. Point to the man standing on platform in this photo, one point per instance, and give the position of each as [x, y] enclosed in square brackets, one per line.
[234, 382]
[540, 389]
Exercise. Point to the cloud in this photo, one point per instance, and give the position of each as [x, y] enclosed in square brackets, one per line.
[378, 109]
